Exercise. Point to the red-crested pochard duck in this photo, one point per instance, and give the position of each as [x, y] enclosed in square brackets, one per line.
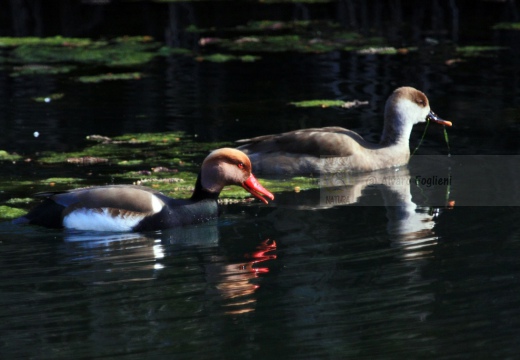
[336, 149]
[136, 208]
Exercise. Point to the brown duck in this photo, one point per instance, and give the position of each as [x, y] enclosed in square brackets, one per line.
[336, 149]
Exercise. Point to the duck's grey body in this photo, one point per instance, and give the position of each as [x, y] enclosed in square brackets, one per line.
[336, 149]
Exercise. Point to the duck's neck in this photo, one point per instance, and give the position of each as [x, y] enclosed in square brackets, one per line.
[394, 147]
[199, 193]
[396, 130]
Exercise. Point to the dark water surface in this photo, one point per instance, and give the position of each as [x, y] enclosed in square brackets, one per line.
[388, 271]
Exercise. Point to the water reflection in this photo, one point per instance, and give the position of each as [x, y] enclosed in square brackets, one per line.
[130, 257]
[369, 273]
[236, 283]
[139, 284]
[353, 268]
[397, 190]
[351, 280]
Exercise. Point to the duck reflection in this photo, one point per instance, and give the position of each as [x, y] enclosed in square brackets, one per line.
[191, 254]
[236, 283]
[396, 190]
[355, 250]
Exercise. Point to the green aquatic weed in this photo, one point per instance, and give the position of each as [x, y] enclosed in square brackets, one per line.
[49, 98]
[8, 212]
[61, 180]
[318, 103]
[5, 156]
[123, 51]
[167, 51]
[220, 58]
[37, 69]
[507, 26]
[49, 41]
[110, 77]
[472, 51]
[446, 139]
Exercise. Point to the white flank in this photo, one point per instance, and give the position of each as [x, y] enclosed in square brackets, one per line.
[89, 219]
[157, 204]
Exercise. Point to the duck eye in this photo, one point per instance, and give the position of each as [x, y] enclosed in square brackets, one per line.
[240, 165]
[421, 102]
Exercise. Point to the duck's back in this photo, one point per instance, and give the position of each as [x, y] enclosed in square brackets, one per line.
[333, 141]
[303, 151]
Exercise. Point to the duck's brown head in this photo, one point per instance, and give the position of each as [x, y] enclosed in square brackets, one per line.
[413, 104]
[404, 108]
[228, 166]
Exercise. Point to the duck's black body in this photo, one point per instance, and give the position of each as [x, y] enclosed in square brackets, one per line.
[58, 207]
[201, 207]
[175, 215]
[137, 208]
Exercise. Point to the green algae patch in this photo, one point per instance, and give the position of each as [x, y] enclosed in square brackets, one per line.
[385, 50]
[507, 26]
[48, 41]
[8, 213]
[192, 28]
[122, 51]
[318, 103]
[218, 58]
[167, 51]
[130, 162]
[110, 77]
[274, 25]
[139, 39]
[119, 55]
[221, 58]
[267, 43]
[38, 69]
[298, 42]
[5, 156]
[475, 51]
[58, 180]
[129, 148]
[15, 201]
[98, 151]
[165, 138]
[60, 55]
[295, 26]
[249, 58]
[49, 98]
[92, 155]
[288, 36]
[132, 150]
[328, 103]
[295, 184]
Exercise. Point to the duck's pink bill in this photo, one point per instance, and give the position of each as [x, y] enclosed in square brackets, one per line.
[253, 186]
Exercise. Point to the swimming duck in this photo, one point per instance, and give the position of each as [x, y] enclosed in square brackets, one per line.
[336, 149]
[137, 208]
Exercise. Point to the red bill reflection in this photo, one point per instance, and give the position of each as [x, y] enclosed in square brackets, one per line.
[236, 283]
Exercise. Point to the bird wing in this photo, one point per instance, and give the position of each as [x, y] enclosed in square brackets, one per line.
[130, 198]
[332, 141]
